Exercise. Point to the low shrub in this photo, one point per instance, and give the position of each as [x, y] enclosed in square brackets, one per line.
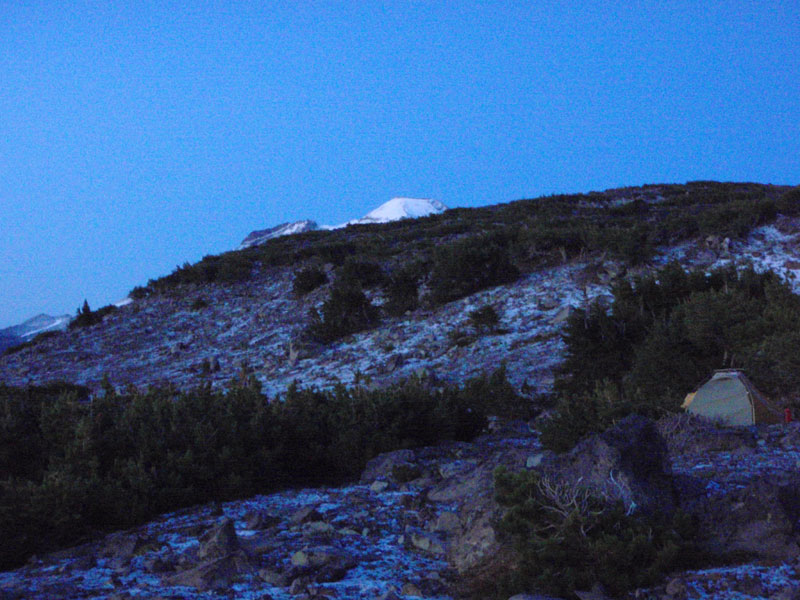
[484, 318]
[86, 317]
[470, 265]
[567, 539]
[308, 279]
[367, 273]
[199, 304]
[347, 310]
[496, 396]
[402, 290]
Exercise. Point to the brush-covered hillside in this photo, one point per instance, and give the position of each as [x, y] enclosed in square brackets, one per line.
[474, 404]
[451, 295]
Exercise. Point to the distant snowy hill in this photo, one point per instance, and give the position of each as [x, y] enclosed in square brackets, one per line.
[17, 334]
[256, 238]
[401, 208]
[393, 210]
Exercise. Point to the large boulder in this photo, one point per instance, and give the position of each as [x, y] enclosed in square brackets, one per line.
[321, 564]
[628, 462]
[755, 521]
[219, 541]
[383, 465]
[119, 548]
[218, 561]
[468, 485]
[214, 574]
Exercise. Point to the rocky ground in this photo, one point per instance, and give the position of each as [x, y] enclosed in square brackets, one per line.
[421, 521]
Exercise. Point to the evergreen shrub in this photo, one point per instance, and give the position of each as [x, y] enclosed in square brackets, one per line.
[71, 467]
[347, 310]
[568, 539]
[402, 290]
[308, 279]
[470, 265]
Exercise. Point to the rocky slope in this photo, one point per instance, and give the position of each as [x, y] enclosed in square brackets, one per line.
[421, 522]
[258, 323]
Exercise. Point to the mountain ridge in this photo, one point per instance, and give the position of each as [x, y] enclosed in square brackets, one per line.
[392, 210]
[30, 328]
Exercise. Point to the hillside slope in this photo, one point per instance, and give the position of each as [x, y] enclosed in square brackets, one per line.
[208, 322]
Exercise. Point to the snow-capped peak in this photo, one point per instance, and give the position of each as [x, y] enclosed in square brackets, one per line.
[256, 238]
[401, 208]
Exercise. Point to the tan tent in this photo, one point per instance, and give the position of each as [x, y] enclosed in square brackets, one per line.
[730, 397]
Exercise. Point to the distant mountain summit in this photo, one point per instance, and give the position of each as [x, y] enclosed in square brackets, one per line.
[26, 331]
[256, 238]
[401, 208]
[393, 210]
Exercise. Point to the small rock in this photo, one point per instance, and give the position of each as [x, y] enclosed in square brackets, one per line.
[411, 589]
[787, 593]
[448, 522]
[273, 577]
[379, 486]
[318, 528]
[424, 542]
[304, 515]
[159, 564]
[300, 559]
[562, 315]
[299, 586]
[260, 520]
[534, 460]
[676, 588]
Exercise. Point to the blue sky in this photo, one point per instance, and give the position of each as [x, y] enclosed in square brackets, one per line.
[136, 136]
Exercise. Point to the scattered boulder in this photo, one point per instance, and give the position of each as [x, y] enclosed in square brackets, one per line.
[447, 522]
[379, 486]
[160, 564]
[215, 574]
[424, 542]
[381, 466]
[304, 515]
[219, 541]
[411, 589]
[120, 548]
[260, 520]
[322, 564]
[562, 315]
[392, 363]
